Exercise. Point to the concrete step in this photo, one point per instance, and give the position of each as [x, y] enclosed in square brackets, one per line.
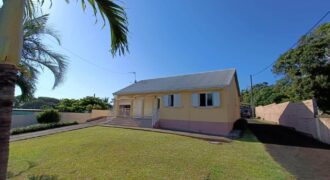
[129, 122]
[123, 124]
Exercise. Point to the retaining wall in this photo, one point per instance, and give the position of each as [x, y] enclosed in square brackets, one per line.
[301, 116]
[22, 120]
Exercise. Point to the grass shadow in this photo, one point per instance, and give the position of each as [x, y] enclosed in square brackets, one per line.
[43, 177]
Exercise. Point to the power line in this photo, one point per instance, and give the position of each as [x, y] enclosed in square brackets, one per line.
[86, 60]
[294, 44]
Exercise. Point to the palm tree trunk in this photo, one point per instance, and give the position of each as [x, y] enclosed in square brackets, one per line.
[11, 38]
[8, 75]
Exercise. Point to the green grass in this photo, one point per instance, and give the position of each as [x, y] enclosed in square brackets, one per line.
[103, 153]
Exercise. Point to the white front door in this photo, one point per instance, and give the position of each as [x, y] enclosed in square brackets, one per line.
[138, 107]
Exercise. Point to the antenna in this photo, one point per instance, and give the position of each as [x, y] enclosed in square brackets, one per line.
[134, 76]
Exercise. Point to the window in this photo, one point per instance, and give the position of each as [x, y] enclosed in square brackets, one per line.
[171, 100]
[205, 99]
[158, 103]
[202, 100]
[209, 99]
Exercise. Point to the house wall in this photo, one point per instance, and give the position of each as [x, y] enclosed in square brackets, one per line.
[209, 120]
[233, 101]
[148, 106]
[188, 112]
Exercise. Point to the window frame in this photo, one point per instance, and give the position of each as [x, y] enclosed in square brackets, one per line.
[206, 102]
[170, 100]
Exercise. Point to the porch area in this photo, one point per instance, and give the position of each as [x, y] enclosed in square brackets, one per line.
[129, 122]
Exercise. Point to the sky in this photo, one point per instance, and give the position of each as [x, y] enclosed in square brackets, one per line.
[175, 37]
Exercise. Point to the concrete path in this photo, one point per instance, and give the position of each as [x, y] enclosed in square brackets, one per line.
[301, 155]
[24, 136]
[180, 133]
[105, 123]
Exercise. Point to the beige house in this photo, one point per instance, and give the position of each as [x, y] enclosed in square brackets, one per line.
[203, 102]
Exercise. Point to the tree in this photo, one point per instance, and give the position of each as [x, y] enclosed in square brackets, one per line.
[263, 94]
[86, 104]
[36, 103]
[12, 14]
[36, 55]
[306, 68]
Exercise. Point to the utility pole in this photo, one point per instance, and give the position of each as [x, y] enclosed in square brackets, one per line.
[251, 101]
[134, 76]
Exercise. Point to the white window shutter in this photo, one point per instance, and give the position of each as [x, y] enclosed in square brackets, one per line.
[216, 99]
[195, 100]
[177, 100]
[165, 100]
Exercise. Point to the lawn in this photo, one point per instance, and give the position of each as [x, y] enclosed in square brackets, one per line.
[103, 152]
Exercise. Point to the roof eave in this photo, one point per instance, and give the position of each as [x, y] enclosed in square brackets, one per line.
[174, 90]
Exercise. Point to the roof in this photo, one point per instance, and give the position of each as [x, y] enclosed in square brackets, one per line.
[204, 80]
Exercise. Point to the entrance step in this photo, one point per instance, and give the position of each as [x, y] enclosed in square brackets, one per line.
[130, 122]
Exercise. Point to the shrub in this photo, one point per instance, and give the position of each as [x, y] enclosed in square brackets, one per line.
[48, 116]
[241, 124]
[39, 127]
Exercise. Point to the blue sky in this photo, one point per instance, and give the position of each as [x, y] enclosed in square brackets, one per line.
[175, 37]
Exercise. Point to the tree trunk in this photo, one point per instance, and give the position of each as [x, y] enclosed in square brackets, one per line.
[8, 76]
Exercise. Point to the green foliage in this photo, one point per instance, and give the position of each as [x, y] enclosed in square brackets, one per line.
[36, 103]
[108, 10]
[263, 94]
[49, 116]
[39, 127]
[83, 105]
[306, 68]
[36, 56]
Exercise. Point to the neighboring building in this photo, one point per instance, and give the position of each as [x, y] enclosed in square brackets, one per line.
[204, 102]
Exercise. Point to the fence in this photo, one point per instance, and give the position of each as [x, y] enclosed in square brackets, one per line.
[301, 116]
[22, 118]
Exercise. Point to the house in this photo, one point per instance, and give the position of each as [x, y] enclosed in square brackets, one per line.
[205, 102]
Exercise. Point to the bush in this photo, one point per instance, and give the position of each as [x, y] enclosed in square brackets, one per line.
[39, 127]
[241, 124]
[48, 116]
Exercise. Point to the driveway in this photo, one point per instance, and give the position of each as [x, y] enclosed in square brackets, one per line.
[301, 155]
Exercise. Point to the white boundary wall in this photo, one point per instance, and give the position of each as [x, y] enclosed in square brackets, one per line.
[299, 115]
[30, 119]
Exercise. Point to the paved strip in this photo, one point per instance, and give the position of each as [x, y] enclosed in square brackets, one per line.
[187, 134]
[24, 136]
[102, 122]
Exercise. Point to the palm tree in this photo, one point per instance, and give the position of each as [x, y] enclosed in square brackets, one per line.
[12, 14]
[36, 56]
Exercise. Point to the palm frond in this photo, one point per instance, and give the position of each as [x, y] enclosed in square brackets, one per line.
[55, 62]
[38, 26]
[31, 8]
[26, 81]
[109, 10]
[36, 55]
[117, 19]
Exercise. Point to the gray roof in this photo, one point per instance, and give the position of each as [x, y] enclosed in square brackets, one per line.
[213, 79]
